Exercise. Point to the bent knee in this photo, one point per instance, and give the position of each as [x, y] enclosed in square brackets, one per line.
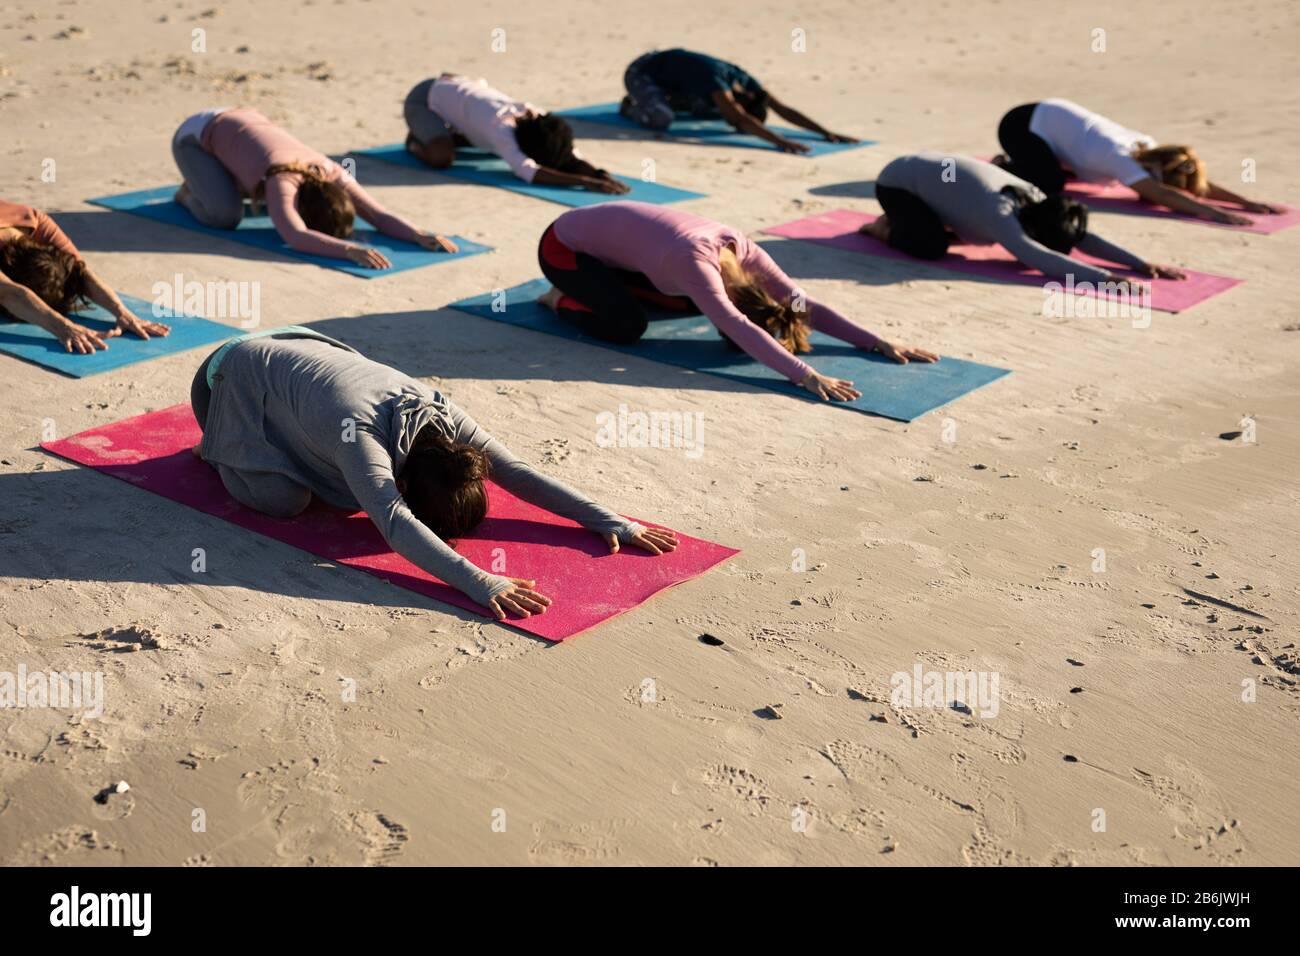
[437, 153]
[627, 334]
[659, 118]
[266, 493]
[284, 499]
[287, 506]
[224, 217]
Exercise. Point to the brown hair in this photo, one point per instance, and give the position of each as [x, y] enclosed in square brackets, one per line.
[58, 278]
[1176, 166]
[324, 206]
[778, 319]
[444, 484]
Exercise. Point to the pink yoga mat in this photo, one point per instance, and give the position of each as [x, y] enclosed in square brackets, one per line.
[571, 565]
[1121, 199]
[839, 230]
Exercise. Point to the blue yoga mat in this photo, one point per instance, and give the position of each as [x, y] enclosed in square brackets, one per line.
[709, 131]
[36, 345]
[486, 169]
[902, 392]
[257, 231]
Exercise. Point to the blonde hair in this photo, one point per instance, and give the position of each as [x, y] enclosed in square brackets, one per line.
[1176, 166]
[778, 319]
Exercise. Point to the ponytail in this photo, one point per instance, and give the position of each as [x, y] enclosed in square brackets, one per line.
[780, 320]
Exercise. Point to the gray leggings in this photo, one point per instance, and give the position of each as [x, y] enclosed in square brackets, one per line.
[263, 491]
[425, 125]
[215, 198]
[646, 104]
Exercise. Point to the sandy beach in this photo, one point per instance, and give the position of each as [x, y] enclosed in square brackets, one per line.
[1154, 689]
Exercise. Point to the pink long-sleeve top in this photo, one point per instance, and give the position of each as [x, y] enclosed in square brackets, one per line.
[679, 253]
[248, 144]
[41, 227]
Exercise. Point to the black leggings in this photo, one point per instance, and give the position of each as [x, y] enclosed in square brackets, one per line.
[1028, 153]
[604, 302]
[914, 227]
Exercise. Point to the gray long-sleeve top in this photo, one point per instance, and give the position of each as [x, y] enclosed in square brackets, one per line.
[966, 193]
[315, 411]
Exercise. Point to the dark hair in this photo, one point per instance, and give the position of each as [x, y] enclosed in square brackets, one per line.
[324, 206]
[546, 139]
[1058, 222]
[58, 278]
[444, 484]
[924, 237]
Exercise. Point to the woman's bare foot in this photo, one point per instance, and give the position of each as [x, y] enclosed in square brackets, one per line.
[878, 228]
[550, 299]
[182, 194]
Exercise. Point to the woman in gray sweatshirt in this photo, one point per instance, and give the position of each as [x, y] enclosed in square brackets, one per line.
[290, 413]
[927, 197]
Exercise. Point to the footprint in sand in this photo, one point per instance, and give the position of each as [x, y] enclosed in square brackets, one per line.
[557, 845]
[126, 639]
[382, 839]
[71, 846]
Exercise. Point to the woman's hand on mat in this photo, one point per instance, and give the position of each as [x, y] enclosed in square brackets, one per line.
[606, 184]
[654, 540]
[827, 388]
[790, 146]
[1130, 287]
[435, 243]
[368, 257]
[902, 354]
[1230, 218]
[1154, 270]
[79, 339]
[1263, 208]
[522, 600]
[138, 327]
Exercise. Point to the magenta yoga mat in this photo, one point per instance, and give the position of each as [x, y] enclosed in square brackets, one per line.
[1121, 199]
[570, 564]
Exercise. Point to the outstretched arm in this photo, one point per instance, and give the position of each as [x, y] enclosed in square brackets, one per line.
[596, 180]
[103, 295]
[1221, 194]
[391, 224]
[522, 481]
[1095, 245]
[368, 470]
[1180, 201]
[1049, 262]
[26, 306]
[799, 119]
[710, 296]
[825, 319]
[280, 206]
[737, 116]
